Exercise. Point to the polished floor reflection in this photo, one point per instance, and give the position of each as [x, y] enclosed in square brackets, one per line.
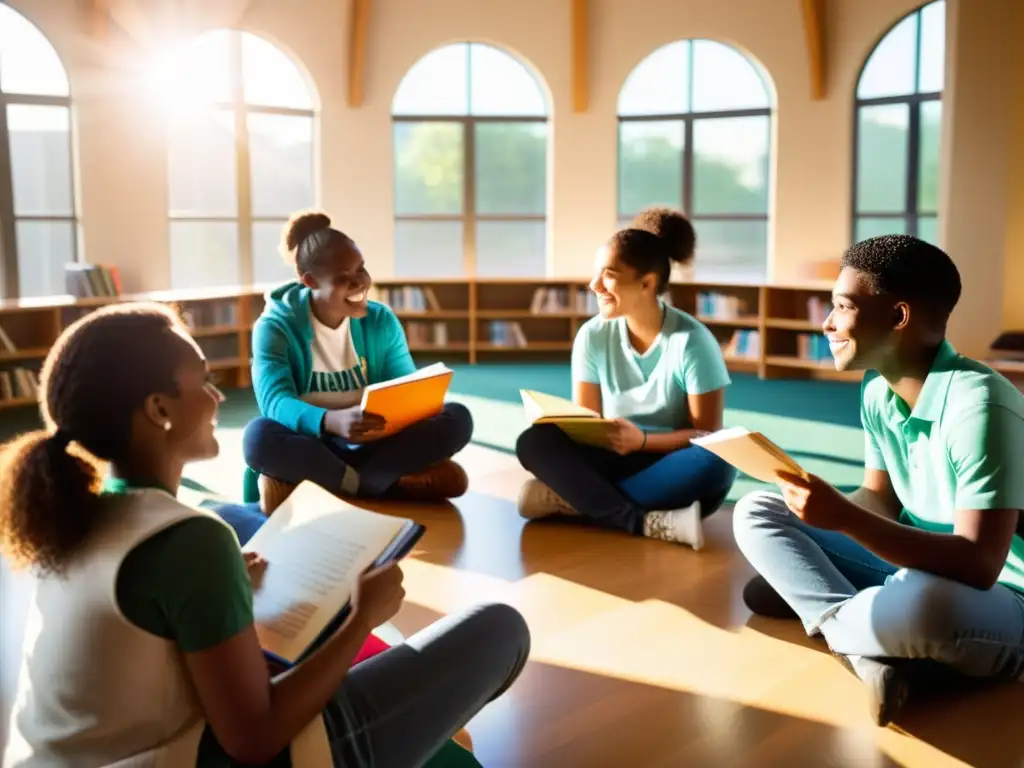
[644, 654]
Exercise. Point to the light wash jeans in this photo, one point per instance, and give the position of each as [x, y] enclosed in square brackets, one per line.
[864, 606]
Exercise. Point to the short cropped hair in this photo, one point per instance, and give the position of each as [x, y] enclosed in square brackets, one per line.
[909, 269]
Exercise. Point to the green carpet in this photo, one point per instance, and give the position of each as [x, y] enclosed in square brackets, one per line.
[817, 422]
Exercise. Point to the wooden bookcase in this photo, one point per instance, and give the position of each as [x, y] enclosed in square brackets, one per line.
[759, 325]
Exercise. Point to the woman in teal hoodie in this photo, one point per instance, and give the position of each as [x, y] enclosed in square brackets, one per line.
[318, 343]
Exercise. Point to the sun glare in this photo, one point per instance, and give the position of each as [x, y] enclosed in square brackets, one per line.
[189, 78]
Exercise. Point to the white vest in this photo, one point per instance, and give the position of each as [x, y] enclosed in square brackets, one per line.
[94, 689]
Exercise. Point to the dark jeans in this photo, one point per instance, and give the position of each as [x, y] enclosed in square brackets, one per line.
[619, 490]
[273, 450]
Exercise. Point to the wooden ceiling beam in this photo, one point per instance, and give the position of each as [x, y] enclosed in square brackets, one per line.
[99, 19]
[817, 54]
[358, 29]
[580, 46]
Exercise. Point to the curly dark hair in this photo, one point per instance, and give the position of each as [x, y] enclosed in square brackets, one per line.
[308, 240]
[656, 238]
[908, 269]
[99, 371]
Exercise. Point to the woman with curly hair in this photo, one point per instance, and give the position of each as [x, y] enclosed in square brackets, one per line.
[141, 647]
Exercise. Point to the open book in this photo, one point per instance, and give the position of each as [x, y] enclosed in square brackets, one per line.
[750, 452]
[581, 424]
[316, 546]
[410, 398]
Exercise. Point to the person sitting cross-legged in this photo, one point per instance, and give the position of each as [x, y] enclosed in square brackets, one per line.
[918, 575]
[660, 374]
[318, 343]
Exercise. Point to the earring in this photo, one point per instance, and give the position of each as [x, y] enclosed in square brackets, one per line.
[167, 426]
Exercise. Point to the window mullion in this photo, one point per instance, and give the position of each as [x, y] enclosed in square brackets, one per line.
[913, 166]
[469, 196]
[688, 166]
[243, 165]
[8, 230]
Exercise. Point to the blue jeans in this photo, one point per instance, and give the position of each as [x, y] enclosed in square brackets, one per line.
[246, 519]
[370, 469]
[865, 606]
[619, 490]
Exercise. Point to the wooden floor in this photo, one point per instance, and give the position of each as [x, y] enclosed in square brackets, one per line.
[644, 655]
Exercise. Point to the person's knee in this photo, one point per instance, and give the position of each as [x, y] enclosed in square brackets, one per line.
[533, 447]
[915, 607]
[258, 438]
[505, 621]
[756, 512]
[459, 426]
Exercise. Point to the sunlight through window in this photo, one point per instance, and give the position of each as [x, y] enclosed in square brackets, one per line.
[38, 230]
[240, 153]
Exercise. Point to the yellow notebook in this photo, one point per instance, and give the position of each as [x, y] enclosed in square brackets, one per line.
[581, 424]
[408, 399]
[750, 452]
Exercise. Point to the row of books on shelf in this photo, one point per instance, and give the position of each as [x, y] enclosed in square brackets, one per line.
[813, 347]
[721, 306]
[207, 314]
[18, 383]
[418, 332]
[91, 280]
[745, 344]
[408, 298]
[553, 300]
[818, 309]
[502, 333]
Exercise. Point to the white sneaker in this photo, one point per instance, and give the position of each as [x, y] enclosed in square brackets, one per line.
[538, 500]
[682, 526]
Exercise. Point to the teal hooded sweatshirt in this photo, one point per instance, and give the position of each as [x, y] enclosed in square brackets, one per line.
[282, 359]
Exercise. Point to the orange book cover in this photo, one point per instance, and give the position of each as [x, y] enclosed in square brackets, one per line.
[408, 399]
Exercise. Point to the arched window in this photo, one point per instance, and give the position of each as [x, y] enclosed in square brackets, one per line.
[898, 129]
[694, 134]
[471, 148]
[240, 142]
[38, 231]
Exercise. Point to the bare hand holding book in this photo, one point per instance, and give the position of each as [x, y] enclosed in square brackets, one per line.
[581, 424]
[316, 545]
[750, 452]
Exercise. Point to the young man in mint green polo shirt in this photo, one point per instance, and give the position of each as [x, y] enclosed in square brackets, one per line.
[922, 568]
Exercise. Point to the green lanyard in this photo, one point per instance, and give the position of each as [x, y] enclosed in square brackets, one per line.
[118, 486]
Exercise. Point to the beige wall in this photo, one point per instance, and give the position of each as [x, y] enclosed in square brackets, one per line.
[123, 179]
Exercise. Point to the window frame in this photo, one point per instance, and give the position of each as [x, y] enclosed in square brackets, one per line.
[469, 218]
[9, 269]
[240, 110]
[688, 166]
[911, 213]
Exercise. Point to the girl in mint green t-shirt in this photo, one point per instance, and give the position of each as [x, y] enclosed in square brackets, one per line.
[660, 374]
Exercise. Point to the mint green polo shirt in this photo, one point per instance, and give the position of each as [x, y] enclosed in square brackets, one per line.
[649, 389]
[961, 447]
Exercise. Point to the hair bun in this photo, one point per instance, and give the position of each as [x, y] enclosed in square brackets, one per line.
[302, 225]
[674, 229]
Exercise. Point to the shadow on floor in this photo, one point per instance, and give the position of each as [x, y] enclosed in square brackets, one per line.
[556, 716]
[971, 722]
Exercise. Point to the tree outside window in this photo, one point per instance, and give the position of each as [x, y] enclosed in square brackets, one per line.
[470, 134]
[38, 226]
[898, 129]
[694, 134]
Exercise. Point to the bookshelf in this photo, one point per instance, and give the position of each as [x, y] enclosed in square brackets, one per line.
[764, 329]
